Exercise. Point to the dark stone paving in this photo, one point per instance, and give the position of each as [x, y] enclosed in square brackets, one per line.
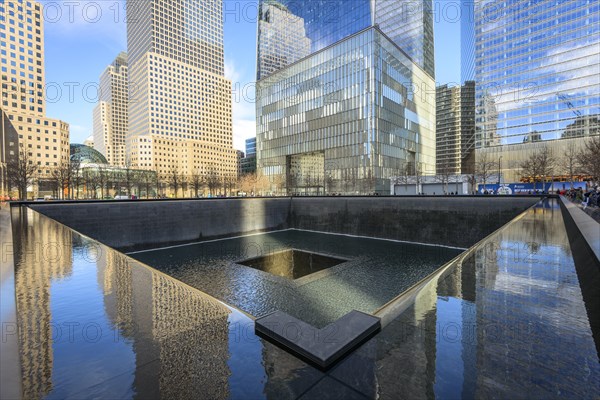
[510, 322]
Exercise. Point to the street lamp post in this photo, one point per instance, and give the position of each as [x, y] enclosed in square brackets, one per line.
[499, 170]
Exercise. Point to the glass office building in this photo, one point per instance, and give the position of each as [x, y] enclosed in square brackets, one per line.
[467, 41]
[351, 101]
[538, 76]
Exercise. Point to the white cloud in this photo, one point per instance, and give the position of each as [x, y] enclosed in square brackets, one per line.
[576, 68]
[231, 72]
[243, 103]
[87, 19]
[243, 129]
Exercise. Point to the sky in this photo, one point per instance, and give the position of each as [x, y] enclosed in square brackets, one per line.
[83, 37]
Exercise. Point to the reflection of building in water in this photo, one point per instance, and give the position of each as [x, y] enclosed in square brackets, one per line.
[435, 335]
[114, 278]
[193, 341]
[42, 255]
[526, 289]
[181, 328]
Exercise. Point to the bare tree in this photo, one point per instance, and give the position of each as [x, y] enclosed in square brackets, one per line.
[539, 165]
[76, 176]
[569, 162]
[61, 175]
[213, 180]
[157, 182]
[95, 182]
[130, 178]
[21, 172]
[443, 174]
[174, 179]
[184, 185]
[246, 182]
[485, 168]
[196, 182]
[102, 180]
[146, 179]
[231, 182]
[588, 158]
[278, 181]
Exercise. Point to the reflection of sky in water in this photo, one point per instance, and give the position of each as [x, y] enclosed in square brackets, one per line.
[449, 364]
[248, 375]
[79, 317]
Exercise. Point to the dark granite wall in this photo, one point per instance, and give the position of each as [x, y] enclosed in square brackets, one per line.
[451, 221]
[136, 225]
[129, 225]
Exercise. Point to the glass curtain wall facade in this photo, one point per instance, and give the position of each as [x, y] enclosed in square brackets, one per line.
[354, 112]
[467, 40]
[537, 73]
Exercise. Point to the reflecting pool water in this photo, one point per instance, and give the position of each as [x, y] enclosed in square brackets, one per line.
[510, 322]
[376, 272]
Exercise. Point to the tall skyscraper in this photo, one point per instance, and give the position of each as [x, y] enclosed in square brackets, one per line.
[455, 129]
[538, 74]
[355, 109]
[43, 140]
[179, 100]
[111, 114]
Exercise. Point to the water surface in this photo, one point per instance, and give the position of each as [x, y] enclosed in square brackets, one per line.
[375, 273]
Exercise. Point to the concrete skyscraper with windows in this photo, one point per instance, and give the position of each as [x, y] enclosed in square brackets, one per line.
[26, 131]
[111, 114]
[455, 129]
[351, 101]
[537, 72]
[179, 99]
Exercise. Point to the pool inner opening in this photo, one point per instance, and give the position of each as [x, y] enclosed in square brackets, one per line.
[292, 263]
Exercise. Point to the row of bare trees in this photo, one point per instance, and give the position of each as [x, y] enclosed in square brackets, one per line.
[542, 164]
[573, 162]
[71, 180]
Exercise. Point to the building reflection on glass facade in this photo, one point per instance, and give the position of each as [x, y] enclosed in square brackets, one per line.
[359, 104]
[537, 70]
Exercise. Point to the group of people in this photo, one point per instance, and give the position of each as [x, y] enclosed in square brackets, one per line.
[586, 198]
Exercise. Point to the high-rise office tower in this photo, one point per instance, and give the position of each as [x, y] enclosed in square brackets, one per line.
[538, 75]
[111, 113]
[44, 141]
[179, 100]
[455, 129]
[355, 109]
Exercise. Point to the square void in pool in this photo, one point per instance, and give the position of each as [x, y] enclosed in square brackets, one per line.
[292, 263]
[315, 277]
